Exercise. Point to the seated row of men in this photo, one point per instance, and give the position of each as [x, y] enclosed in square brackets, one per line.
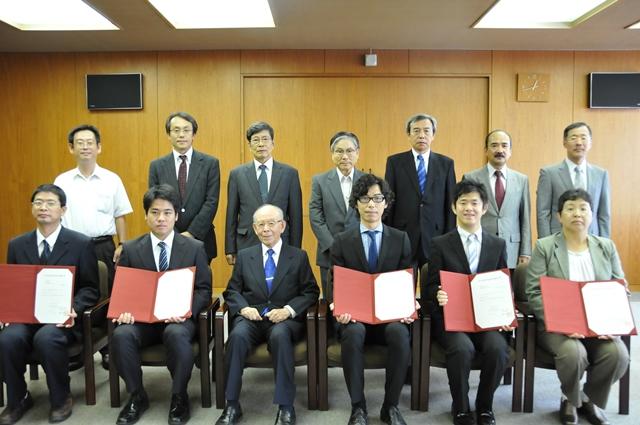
[272, 285]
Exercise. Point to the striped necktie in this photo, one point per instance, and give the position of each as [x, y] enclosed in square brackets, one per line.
[163, 262]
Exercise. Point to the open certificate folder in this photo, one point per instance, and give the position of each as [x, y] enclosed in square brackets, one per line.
[374, 298]
[586, 308]
[478, 302]
[152, 296]
[36, 293]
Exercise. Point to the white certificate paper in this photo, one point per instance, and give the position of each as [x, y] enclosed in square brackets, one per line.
[394, 297]
[173, 297]
[492, 302]
[53, 295]
[607, 308]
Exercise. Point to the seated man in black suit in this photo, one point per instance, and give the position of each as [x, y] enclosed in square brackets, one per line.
[270, 289]
[161, 249]
[49, 244]
[372, 248]
[468, 249]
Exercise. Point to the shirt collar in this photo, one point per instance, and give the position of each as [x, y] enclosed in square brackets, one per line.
[363, 228]
[276, 248]
[492, 170]
[168, 240]
[97, 172]
[176, 156]
[350, 175]
[268, 163]
[51, 239]
[424, 155]
[464, 235]
[572, 165]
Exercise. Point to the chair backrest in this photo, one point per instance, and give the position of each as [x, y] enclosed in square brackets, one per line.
[103, 274]
[518, 283]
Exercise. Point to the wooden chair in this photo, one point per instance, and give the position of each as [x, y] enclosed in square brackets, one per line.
[94, 332]
[433, 355]
[305, 353]
[155, 355]
[537, 357]
[375, 357]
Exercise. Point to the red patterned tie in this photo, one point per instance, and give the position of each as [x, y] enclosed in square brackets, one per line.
[182, 177]
[499, 189]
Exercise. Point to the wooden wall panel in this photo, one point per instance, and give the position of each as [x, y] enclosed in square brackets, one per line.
[450, 62]
[352, 61]
[282, 61]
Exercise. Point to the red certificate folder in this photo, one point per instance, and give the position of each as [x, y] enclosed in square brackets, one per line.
[564, 307]
[354, 292]
[459, 314]
[18, 289]
[135, 290]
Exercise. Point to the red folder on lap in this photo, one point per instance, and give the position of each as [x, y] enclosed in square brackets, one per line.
[355, 292]
[135, 291]
[565, 311]
[18, 283]
[459, 315]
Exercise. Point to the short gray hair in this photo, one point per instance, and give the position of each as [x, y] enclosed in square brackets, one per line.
[422, 117]
[265, 206]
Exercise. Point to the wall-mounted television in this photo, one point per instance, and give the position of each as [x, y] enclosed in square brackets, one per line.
[114, 91]
[614, 90]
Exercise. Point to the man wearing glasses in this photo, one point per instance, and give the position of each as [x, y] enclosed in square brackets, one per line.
[261, 181]
[196, 178]
[372, 247]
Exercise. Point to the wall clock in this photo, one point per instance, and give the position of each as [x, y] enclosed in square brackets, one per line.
[533, 87]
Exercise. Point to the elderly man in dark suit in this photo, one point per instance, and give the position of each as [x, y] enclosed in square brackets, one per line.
[161, 249]
[196, 178]
[372, 248]
[49, 244]
[329, 209]
[269, 291]
[468, 249]
[261, 181]
[423, 183]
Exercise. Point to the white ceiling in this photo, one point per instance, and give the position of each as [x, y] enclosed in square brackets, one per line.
[335, 24]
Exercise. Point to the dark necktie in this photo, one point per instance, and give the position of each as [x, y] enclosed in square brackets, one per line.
[262, 182]
[182, 177]
[269, 269]
[373, 251]
[46, 251]
[422, 173]
[163, 262]
[499, 189]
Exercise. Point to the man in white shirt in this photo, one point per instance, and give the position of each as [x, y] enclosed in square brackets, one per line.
[572, 173]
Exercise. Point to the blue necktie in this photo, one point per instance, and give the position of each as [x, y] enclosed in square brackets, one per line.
[422, 173]
[46, 251]
[262, 182]
[269, 269]
[373, 250]
[163, 262]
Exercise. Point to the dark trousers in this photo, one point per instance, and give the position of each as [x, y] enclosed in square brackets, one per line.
[280, 337]
[177, 337]
[49, 344]
[354, 336]
[324, 279]
[460, 349]
[104, 251]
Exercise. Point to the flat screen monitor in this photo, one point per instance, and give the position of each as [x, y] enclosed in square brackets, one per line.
[614, 90]
[114, 91]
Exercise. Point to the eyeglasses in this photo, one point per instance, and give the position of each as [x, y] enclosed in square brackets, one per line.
[258, 140]
[364, 199]
[177, 131]
[340, 152]
[267, 224]
[84, 143]
[418, 131]
[40, 203]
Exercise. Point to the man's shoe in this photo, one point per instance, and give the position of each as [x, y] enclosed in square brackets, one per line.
[391, 415]
[75, 364]
[286, 416]
[358, 416]
[10, 415]
[105, 361]
[568, 413]
[485, 417]
[463, 418]
[593, 413]
[135, 407]
[61, 413]
[179, 412]
[230, 415]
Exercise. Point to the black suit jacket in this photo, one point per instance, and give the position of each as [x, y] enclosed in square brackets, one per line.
[422, 216]
[244, 199]
[348, 251]
[293, 283]
[71, 249]
[203, 194]
[185, 252]
[447, 254]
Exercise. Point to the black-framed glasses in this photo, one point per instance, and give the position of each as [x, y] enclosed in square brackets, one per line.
[364, 199]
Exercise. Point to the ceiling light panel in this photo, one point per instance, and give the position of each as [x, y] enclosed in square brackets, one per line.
[199, 14]
[49, 15]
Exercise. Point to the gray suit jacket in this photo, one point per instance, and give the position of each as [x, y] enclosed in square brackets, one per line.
[513, 221]
[243, 199]
[550, 258]
[554, 181]
[203, 194]
[328, 213]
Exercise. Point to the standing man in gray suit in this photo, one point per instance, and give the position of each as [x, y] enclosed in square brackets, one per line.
[574, 173]
[509, 212]
[329, 209]
[196, 178]
[261, 181]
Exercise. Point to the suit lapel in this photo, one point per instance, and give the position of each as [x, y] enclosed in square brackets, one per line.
[565, 176]
[169, 170]
[194, 173]
[591, 180]
[486, 181]
[284, 264]
[455, 243]
[276, 176]
[408, 165]
[31, 249]
[487, 250]
[257, 269]
[178, 252]
[356, 243]
[60, 248]
[252, 180]
[561, 255]
[431, 175]
[335, 187]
